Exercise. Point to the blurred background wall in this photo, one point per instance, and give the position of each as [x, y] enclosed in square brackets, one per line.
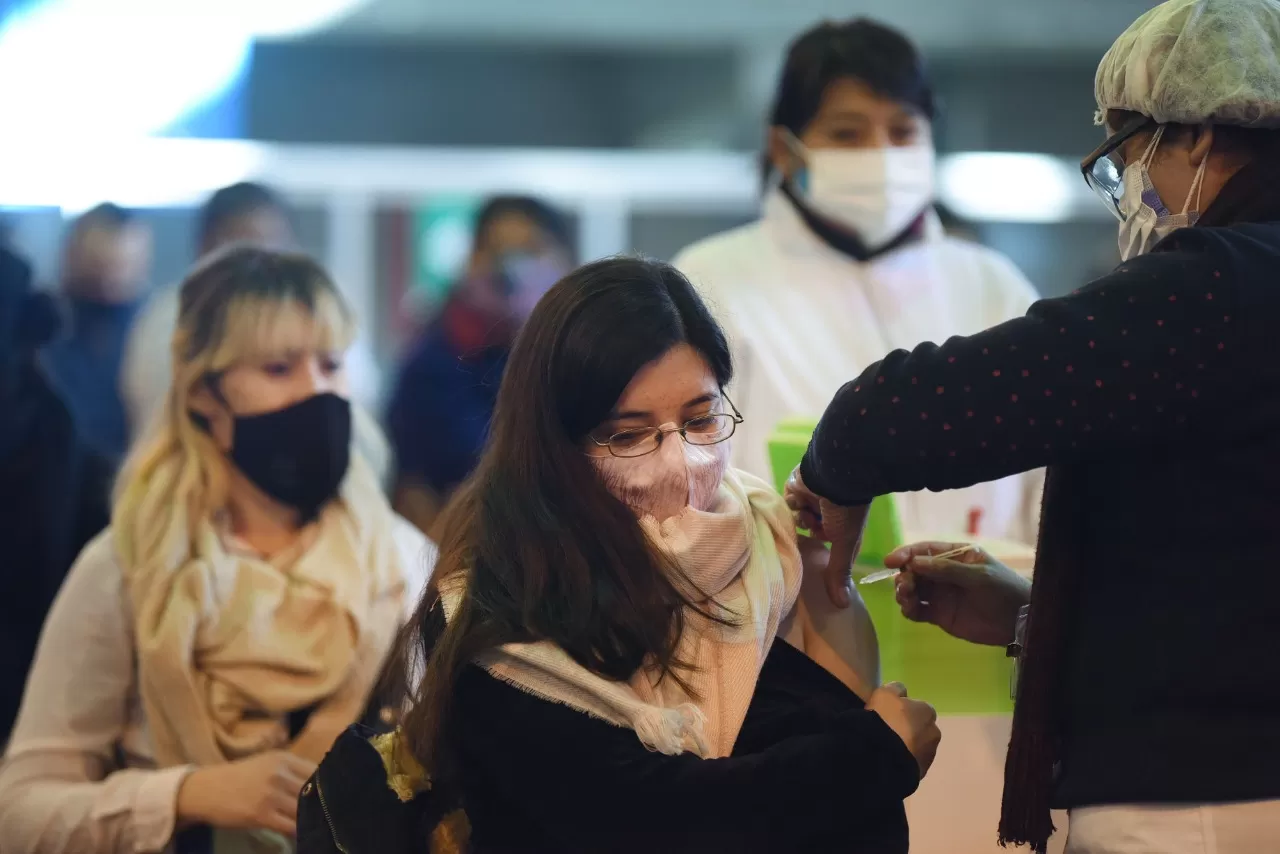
[496, 77]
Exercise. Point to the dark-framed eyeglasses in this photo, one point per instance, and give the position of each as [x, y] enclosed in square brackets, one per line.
[1102, 170]
[710, 429]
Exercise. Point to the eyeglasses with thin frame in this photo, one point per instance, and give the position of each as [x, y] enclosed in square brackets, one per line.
[1103, 173]
[711, 429]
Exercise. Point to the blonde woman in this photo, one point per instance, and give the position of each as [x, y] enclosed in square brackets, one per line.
[207, 648]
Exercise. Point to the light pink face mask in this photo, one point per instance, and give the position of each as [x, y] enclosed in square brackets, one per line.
[662, 484]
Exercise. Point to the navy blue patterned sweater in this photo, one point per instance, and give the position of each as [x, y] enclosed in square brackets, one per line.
[1157, 390]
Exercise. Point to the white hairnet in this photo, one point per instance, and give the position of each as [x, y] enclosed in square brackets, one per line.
[1197, 61]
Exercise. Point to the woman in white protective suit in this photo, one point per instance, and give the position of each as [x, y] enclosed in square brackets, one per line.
[848, 259]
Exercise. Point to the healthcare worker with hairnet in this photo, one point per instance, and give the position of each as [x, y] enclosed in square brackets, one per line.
[848, 259]
[1149, 692]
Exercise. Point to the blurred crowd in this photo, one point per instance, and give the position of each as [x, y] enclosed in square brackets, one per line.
[530, 603]
[88, 364]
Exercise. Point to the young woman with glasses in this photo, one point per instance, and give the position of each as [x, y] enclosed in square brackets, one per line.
[598, 656]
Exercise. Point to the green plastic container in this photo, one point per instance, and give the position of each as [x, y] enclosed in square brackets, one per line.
[958, 678]
[883, 533]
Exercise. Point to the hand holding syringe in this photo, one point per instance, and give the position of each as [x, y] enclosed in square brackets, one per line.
[881, 575]
[961, 589]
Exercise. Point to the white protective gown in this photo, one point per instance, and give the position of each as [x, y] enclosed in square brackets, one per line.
[804, 318]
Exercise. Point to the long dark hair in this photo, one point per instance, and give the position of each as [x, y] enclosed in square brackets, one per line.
[546, 552]
[1252, 194]
[859, 49]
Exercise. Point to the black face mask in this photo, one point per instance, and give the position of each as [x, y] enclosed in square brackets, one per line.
[298, 455]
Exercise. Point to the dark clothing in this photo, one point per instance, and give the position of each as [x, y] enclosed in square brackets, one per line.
[439, 415]
[812, 771]
[1153, 395]
[53, 491]
[845, 241]
[85, 369]
[55, 497]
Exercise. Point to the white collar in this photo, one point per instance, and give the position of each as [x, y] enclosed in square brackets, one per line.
[779, 215]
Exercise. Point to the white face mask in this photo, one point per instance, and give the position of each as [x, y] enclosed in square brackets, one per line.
[663, 483]
[876, 192]
[1147, 220]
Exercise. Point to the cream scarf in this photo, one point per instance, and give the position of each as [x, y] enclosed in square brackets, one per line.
[743, 555]
[228, 643]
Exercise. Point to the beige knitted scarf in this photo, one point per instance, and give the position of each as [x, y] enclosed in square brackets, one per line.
[228, 643]
[743, 555]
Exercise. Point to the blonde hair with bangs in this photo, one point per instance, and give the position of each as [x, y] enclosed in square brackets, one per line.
[239, 305]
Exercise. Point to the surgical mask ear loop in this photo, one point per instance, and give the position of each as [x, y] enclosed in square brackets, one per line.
[1197, 188]
[799, 150]
[1149, 154]
[1197, 185]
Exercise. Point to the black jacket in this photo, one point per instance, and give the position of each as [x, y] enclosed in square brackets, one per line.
[53, 491]
[1155, 393]
[812, 771]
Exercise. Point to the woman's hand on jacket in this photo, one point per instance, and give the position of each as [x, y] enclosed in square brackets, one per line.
[971, 596]
[840, 526]
[258, 793]
[914, 721]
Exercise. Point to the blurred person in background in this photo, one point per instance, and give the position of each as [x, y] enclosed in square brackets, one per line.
[849, 260]
[240, 213]
[206, 649]
[54, 488]
[105, 267]
[1148, 699]
[617, 652]
[439, 413]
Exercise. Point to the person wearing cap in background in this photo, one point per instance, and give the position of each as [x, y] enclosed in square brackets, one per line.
[439, 413]
[240, 213]
[54, 488]
[106, 263]
[1148, 702]
[849, 260]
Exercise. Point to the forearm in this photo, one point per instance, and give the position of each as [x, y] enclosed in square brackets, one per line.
[615, 782]
[913, 422]
[1137, 361]
[57, 802]
[761, 799]
[1011, 596]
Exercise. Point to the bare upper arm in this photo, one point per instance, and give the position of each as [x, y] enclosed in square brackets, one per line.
[842, 641]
